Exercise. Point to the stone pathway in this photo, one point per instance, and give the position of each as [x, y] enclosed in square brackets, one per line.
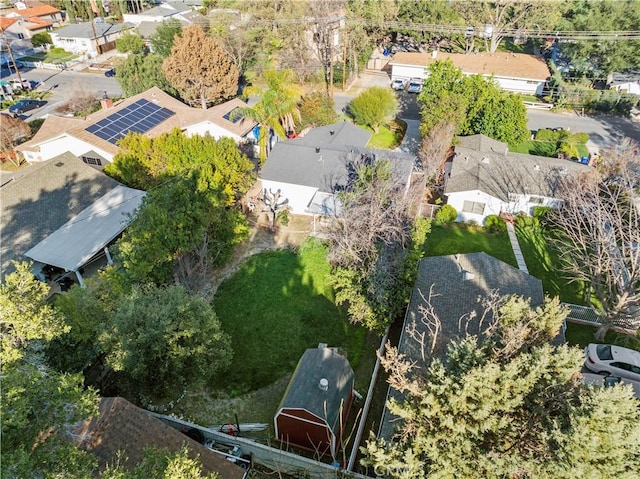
[516, 248]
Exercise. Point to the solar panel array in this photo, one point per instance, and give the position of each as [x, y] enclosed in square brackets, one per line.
[138, 117]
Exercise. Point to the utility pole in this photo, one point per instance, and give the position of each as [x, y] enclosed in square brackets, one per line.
[344, 61]
[93, 28]
[13, 60]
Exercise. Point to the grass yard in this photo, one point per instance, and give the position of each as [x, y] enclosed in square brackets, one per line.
[389, 135]
[542, 262]
[538, 148]
[582, 334]
[456, 238]
[54, 55]
[277, 305]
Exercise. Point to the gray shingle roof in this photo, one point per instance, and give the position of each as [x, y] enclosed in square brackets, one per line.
[455, 295]
[320, 159]
[84, 30]
[480, 163]
[303, 391]
[42, 199]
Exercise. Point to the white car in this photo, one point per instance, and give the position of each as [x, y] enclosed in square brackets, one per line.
[613, 360]
[398, 84]
[611, 381]
[415, 86]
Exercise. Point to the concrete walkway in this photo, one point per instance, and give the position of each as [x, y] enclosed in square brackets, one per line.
[516, 248]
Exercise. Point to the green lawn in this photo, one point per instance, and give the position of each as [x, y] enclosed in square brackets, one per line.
[389, 135]
[456, 238]
[544, 148]
[582, 334]
[277, 305]
[54, 55]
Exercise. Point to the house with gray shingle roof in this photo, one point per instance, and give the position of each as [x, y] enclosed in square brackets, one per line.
[86, 138]
[454, 286]
[79, 38]
[43, 197]
[310, 170]
[484, 178]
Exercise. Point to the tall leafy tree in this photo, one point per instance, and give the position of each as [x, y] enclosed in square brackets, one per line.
[38, 403]
[130, 43]
[489, 409]
[164, 340]
[162, 40]
[602, 57]
[317, 109]
[373, 106]
[473, 102]
[138, 73]
[200, 69]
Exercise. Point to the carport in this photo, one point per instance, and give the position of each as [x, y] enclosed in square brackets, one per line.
[85, 235]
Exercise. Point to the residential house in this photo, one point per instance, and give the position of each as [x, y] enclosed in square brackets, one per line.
[453, 287]
[147, 22]
[62, 213]
[484, 178]
[153, 112]
[316, 402]
[89, 38]
[310, 170]
[628, 82]
[26, 22]
[120, 427]
[514, 72]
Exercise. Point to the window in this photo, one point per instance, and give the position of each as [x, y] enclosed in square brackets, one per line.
[233, 116]
[92, 161]
[604, 352]
[474, 207]
[537, 200]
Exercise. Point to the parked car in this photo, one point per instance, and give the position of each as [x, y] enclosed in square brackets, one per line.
[415, 86]
[611, 381]
[613, 360]
[398, 84]
[110, 73]
[23, 105]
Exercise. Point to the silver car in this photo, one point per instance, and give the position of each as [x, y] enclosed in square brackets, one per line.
[415, 86]
[398, 84]
[612, 360]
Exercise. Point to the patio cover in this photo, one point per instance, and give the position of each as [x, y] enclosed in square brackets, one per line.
[72, 245]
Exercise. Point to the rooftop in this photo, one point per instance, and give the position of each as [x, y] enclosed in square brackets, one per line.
[513, 65]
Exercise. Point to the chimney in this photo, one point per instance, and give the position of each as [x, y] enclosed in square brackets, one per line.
[106, 103]
[323, 385]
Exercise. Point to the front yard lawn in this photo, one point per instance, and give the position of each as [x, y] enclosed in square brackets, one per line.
[582, 334]
[543, 263]
[456, 238]
[54, 55]
[389, 135]
[277, 305]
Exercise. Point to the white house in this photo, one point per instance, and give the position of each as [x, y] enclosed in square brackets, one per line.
[515, 72]
[160, 13]
[153, 112]
[484, 178]
[309, 170]
[625, 82]
[25, 22]
[80, 38]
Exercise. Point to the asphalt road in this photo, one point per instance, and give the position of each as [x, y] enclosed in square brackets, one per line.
[63, 85]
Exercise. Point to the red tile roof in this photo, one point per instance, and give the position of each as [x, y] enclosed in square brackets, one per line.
[38, 11]
[6, 22]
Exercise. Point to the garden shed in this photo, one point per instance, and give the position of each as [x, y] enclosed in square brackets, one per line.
[316, 402]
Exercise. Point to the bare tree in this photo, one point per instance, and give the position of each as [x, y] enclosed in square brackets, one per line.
[435, 148]
[12, 131]
[274, 204]
[600, 246]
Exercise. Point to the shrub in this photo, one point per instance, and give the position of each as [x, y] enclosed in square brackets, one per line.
[567, 150]
[317, 109]
[580, 138]
[494, 224]
[540, 212]
[373, 106]
[524, 221]
[546, 135]
[446, 214]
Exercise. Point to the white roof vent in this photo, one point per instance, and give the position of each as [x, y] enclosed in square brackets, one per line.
[323, 385]
[434, 54]
[486, 160]
[468, 275]
[537, 167]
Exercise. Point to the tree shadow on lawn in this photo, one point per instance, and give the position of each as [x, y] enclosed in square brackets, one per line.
[277, 305]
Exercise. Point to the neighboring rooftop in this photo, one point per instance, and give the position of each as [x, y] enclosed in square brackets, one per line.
[511, 65]
[43, 197]
[184, 116]
[86, 30]
[481, 163]
[121, 426]
[322, 157]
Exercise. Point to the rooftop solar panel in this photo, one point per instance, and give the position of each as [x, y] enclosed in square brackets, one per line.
[138, 117]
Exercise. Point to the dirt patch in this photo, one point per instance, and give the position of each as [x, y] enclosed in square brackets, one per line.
[256, 406]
